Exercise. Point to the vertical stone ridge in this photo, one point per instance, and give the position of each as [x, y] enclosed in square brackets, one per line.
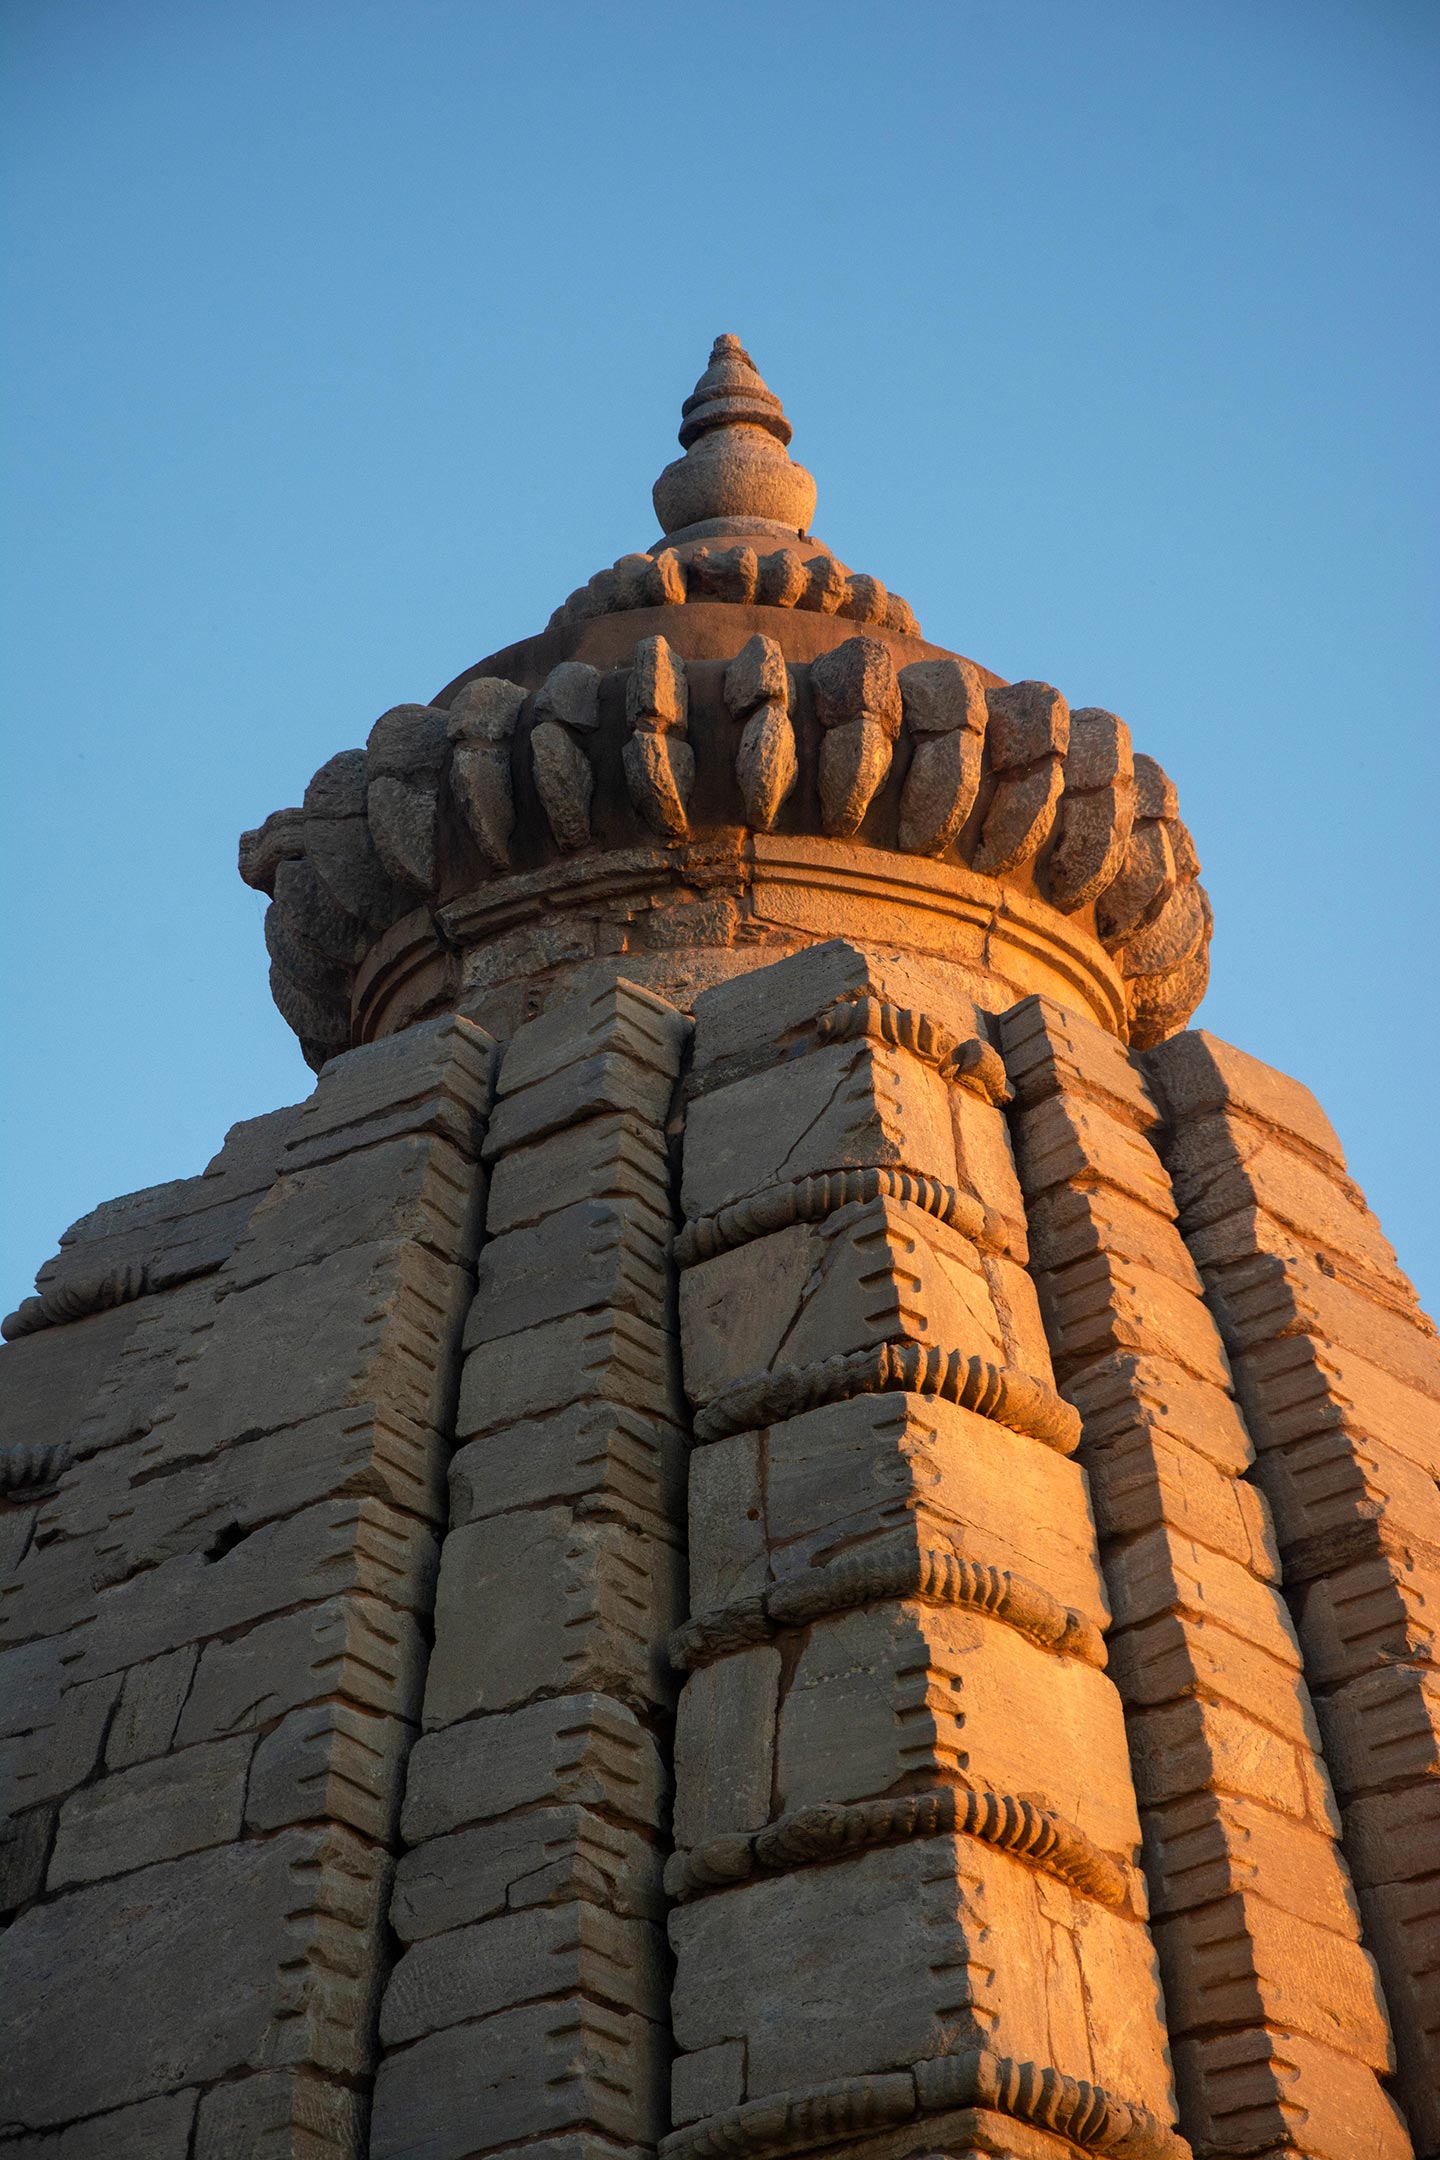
[215, 1644]
[529, 2000]
[1276, 2020]
[1339, 1372]
[898, 1757]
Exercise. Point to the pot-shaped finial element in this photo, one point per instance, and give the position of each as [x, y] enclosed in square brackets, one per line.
[735, 471]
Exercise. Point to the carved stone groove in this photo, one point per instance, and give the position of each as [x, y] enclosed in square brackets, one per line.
[1000, 1392]
[934, 1574]
[1036, 1835]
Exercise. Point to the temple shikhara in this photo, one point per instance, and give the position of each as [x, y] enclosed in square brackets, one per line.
[784, 1518]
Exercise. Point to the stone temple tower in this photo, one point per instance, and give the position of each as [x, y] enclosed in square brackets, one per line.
[781, 1520]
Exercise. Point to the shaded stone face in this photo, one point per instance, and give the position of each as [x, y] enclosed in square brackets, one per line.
[777, 1522]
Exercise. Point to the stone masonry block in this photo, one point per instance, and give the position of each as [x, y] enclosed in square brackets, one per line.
[1072, 1223]
[546, 1599]
[475, 1971]
[614, 1158]
[524, 2073]
[729, 1547]
[417, 1187]
[1164, 1571]
[157, 1811]
[331, 1762]
[588, 1451]
[1198, 1074]
[596, 1254]
[341, 1545]
[1383, 1608]
[934, 1694]
[572, 1748]
[1195, 1746]
[1220, 1166]
[47, 1380]
[619, 1018]
[435, 1077]
[1383, 1729]
[152, 2130]
[1213, 1844]
[1394, 1836]
[1265, 1296]
[587, 1358]
[372, 1323]
[1049, 1050]
[280, 2115]
[755, 1018]
[596, 1087]
[150, 1704]
[1402, 1926]
[1159, 1659]
[875, 1464]
[546, 1856]
[877, 1272]
[1127, 1396]
[1062, 1140]
[353, 1647]
[847, 1105]
[725, 1746]
[1105, 1307]
[1295, 1387]
[132, 1965]
[1261, 2089]
[941, 1940]
[1241, 1961]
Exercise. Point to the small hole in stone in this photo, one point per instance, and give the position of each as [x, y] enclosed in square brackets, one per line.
[224, 1541]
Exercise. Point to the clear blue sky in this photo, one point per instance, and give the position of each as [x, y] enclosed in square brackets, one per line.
[343, 337]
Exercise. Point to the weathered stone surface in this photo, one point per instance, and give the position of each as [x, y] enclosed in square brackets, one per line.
[618, 1018]
[938, 1938]
[1198, 1073]
[150, 1703]
[548, 1600]
[331, 1762]
[1242, 1961]
[847, 1105]
[725, 1746]
[581, 1748]
[608, 1081]
[280, 2115]
[596, 1357]
[876, 1272]
[596, 1451]
[538, 2069]
[473, 1971]
[157, 1811]
[132, 1962]
[435, 1077]
[152, 2130]
[355, 1647]
[1238, 2094]
[613, 1157]
[547, 1856]
[895, 1691]
[708, 2082]
[597, 1254]
[48, 1379]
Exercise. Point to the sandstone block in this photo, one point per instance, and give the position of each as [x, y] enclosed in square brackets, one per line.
[545, 1599]
[1295, 1387]
[280, 2115]
[1242, 1961]
[1139, 1392]
[150, 1703]
[1069, 1223]
[1145, 1480]
[729, 1552]
[1102, 1307]
[598, 1253]
[588, 1451]
[524, 2073]
[1191, 1746]
[932, 1693]
[754, 1019]
[596, 1086]
[333, 1762]
[548, 1856]
[372, 1323]
[1383, 1608]
[1394, 1836]
[416, 1187]
[1219, 1165]
[472, 1972]
[47, 1380]
[848, 1105]
[875, 1272]
[1049, 1050]
[1198, 1074]
[353, 1647]
[619, 1018]
[725, 1746]
[131, 1964]
[1382, 1730]
[604, 1158]
[1064, 1140]
[1402, 1927]
[708, 2082]
[877, 1463]
[157, 1811]
[1261, 2089]
[584, 1749]
[152, 2130]
[24, 1855]
[942, 1939]
[1213, 1844]
[1163, 1571]
[435, 1077]
[56, 1730]
[605, 1357]
[1160, 1659]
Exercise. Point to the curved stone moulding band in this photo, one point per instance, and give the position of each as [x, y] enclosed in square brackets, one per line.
[797, 2122]
[1000, 1392]
[969, 1063]
[75, 1297]
[811, 1199]
[831, 1830]
[24, 1463]
[933, 1574]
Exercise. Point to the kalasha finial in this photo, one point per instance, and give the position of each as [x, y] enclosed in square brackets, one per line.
[735, 471]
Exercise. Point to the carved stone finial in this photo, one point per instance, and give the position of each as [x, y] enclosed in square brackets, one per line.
[735, 470]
